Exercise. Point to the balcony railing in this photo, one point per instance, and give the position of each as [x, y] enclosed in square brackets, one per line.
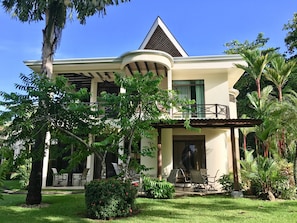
[203, 111]
[196, 111]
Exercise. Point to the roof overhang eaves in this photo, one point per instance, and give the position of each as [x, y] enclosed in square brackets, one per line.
[78, 62]
[235, 58]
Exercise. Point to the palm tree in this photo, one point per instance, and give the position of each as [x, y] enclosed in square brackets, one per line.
[289, 117]
[245, 131]
[262, 106]
[279, 71]
[256, 62]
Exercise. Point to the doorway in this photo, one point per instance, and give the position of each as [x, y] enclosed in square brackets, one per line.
[189, 152]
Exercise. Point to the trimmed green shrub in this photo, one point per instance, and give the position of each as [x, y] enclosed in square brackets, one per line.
[158, 189]
[110, 198]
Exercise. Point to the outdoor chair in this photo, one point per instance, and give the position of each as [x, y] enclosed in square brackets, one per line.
[197, 180]
[116, 168]
[135, 178]
[212, 180]
[59, 179]
[178, 178]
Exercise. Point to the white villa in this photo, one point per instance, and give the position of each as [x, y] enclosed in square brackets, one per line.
[207, 79]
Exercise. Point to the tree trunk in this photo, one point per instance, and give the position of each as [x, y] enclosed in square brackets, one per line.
[35, 181]
[244, 142]
[295, 165]
[48, 47]
[258, 87]
[280, 94]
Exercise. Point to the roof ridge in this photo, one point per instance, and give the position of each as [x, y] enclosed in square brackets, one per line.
[160, 38]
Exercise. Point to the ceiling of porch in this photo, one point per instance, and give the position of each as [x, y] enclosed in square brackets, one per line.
[82, 79]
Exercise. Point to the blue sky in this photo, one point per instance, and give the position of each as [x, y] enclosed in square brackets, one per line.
[201, 27]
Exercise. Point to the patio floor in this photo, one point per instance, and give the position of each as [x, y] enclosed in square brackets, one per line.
[179, 191]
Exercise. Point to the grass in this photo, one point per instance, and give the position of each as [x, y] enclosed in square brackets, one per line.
[210, 209]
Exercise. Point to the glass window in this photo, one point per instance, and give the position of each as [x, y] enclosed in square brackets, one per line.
[193, 90]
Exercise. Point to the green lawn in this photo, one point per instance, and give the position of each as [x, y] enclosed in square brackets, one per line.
[209, 209]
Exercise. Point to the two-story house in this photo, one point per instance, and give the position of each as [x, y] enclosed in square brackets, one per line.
[209, 80]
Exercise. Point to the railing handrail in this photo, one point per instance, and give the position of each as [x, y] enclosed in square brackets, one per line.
[195, 111]
[203, 111]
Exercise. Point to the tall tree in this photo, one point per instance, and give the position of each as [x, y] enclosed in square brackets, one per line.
[279, 71]
[256, 63]
[262, 106]
[287, 116]
[54, 13]
[236, 47]
[142, 104]
[291, 37]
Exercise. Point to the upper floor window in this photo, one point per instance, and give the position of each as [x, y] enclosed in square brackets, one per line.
[193, 90]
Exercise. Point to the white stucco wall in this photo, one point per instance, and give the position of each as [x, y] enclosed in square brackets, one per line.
[149, 162]
[217, 151]
[167, 151]
[215, 84]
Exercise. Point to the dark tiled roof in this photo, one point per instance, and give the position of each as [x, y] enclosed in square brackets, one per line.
[160, 41]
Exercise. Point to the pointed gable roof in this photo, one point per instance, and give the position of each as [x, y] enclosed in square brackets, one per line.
[160, 38]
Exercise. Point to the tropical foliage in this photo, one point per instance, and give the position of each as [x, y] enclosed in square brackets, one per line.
[54, 13]
[157, 189]
[45, 106]
[291, 37]
[110, 198]
[268, 177]
[272, 99]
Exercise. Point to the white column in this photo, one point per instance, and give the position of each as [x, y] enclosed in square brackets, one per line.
[122, 144]
[90, 158]
[169, 79]
[46, 158]
[90, 165]
[169, 85]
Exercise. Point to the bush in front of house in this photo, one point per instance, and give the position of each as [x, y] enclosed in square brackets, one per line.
[157, 189]
[110, 198]
[227, 182]
[269, 177]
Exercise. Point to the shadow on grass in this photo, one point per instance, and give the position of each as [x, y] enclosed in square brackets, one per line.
[60, 208]
[216, 208]
[71, 208]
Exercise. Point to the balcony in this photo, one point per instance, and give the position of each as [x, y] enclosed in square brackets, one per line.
[196, 111]
[203, 111]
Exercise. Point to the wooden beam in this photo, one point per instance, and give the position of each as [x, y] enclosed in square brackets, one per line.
[156, 68]
[129, 68]
[100, 76]
[234, 161]
[159, 158]
[147, 67]
[137, 66]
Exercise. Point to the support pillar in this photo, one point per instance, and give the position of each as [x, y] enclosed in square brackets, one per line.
[91, 158]
[236, 192]
[46, 158]
[159, 156]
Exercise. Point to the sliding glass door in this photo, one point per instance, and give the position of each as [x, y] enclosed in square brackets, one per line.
[192, 90]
